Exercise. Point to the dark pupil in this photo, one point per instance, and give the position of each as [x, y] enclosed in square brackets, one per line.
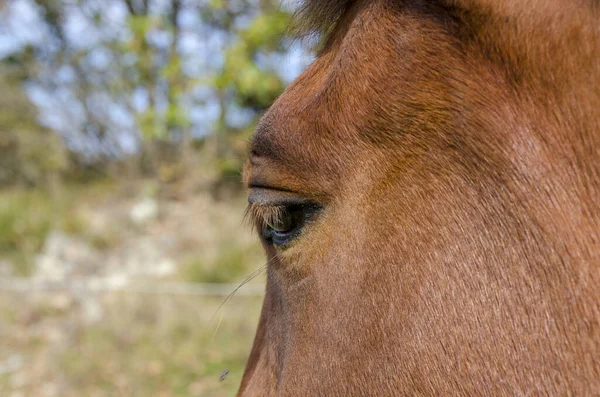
[286, 222]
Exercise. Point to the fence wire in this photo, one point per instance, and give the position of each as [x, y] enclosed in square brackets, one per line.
[115, 284]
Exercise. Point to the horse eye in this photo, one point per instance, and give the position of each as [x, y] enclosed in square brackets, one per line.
[285, 222]
[285, 227]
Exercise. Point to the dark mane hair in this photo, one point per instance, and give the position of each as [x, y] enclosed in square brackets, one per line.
[319, 16]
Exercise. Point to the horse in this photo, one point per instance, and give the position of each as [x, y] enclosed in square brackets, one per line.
[427, 193]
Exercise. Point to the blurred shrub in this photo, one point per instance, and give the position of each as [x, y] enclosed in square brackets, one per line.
[29, 154]
[148, 79]
[28, 215]
[26, 218]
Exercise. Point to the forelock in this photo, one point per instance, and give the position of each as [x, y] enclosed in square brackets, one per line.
[319, 16]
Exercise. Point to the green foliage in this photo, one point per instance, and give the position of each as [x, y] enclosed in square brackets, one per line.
[25, 218]
[254, 87]
[266, 31]
[28, 215]
[29, 154]
[150, 58]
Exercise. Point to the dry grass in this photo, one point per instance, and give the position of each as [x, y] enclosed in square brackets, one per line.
[144, 345]
[122, 343]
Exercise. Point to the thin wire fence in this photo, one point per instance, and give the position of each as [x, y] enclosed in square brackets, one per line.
[115, 284]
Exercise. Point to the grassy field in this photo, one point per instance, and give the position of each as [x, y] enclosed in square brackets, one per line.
[28, 215]
[134, 344]
[145, 345]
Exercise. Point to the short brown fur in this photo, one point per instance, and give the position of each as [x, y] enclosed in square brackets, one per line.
[453, 146]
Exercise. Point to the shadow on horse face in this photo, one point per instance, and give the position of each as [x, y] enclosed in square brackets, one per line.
[426, 192]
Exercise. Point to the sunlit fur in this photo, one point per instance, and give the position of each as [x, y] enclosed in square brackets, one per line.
[452, 148]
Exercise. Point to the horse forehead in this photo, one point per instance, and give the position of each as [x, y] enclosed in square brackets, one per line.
[316, 120]
[306, 129]
[300, 149]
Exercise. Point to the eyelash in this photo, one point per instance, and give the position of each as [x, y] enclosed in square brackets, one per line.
[263, 214]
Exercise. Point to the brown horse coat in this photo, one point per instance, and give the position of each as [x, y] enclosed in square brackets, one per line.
[428, 192]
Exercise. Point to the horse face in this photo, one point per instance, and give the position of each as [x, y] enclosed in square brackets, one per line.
[394, 187]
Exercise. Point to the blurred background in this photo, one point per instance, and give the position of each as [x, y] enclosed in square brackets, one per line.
[123, 127]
